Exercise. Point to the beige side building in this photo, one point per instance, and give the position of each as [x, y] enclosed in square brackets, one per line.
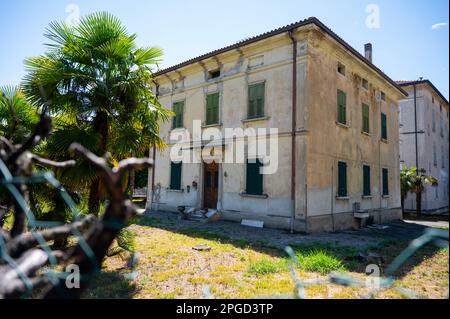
[426, 112]
[337, 120]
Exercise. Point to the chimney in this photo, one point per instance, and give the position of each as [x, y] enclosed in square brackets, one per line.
[368, 51]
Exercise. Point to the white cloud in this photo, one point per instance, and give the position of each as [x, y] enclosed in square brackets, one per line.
[438, 26]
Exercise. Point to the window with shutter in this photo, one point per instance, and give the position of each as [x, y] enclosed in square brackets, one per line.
[342, 179]
[177, 120]
[341, 98]
[366, 180]
[365, 118]
[254, 181]
[385, 176]
[256, 94]
[212, 109]
[384, 135]
[175, 176]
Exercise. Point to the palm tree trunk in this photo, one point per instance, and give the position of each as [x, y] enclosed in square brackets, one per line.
[132, 182]
[101, 127]
[402, 201]
[418, 203]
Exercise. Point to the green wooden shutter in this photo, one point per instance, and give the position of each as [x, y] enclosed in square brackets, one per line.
[383, 126]
[212, 109]
[342, 101]
[175, 176]
[254, 181]
[365, 118]
[177, 120]
[256, 94]
[366, 180]
[342, 179]
[260, 99]
[385, 181]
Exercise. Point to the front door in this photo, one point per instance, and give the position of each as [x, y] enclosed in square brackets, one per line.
[211, 185]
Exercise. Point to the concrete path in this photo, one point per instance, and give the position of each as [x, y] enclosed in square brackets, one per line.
[436, 224]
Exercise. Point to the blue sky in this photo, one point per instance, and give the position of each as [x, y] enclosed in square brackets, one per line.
[405, 44]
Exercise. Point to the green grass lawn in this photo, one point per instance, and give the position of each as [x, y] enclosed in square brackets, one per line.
[169, 268]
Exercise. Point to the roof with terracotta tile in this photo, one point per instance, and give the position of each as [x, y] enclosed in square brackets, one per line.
[292, 26]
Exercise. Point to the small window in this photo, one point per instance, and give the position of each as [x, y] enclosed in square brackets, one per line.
[341, 105]
[341, 68]
[433, 118]
[442, 157]
[342, 179]
[366, 180]
[432, 100]
[214, 74]
[365, 84]
[383, 96]
[385, 175]
[435, 154]
[212, 109]
[254, 181]
[384, 134]
[175, 176]
[177, 120]
[365, 118]
[256, 100]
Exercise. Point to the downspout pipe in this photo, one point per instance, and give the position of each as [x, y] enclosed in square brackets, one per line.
[415, 128]
[154, 158]
[294, 125]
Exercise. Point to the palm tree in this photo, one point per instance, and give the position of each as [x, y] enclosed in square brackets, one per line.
[412, 182]
[96, 83]
[17, 116]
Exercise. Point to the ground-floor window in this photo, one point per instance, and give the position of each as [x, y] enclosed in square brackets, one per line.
[254, 181]
[366, 180]
[385, 177]
[175, 176]
[342, 179]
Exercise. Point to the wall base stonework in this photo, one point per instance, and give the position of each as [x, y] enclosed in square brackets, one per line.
[345, 221]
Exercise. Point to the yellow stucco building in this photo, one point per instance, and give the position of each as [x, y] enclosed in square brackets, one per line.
[337, 120]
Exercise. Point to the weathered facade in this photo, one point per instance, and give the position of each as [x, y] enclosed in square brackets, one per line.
[302, 69]
[425, 111]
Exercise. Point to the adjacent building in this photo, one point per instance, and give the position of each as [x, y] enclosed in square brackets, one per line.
[424, 117]
[337, 120]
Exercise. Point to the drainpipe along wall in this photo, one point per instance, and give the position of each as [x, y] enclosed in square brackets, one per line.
[294, 124]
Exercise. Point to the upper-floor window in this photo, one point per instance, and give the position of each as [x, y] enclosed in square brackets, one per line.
[365, 118]
[432, 99]
[384, 133]
[341, 107]
[441, 124]
[214, 74]
[178, 109]
[256, 94]
[383, 96]
[341, 68]
[212, 109]
[365, 84]
[442, 157]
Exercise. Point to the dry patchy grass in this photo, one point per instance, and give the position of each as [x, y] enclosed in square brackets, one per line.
[169, 268]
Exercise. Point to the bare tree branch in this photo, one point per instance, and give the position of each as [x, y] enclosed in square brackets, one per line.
[47, 162]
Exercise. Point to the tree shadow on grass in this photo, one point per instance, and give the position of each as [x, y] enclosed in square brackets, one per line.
[397, 238]
[110, 285]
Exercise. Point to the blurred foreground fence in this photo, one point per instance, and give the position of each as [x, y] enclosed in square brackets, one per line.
[29, 266]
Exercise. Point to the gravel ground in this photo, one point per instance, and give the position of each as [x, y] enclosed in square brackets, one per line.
[363, 238]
